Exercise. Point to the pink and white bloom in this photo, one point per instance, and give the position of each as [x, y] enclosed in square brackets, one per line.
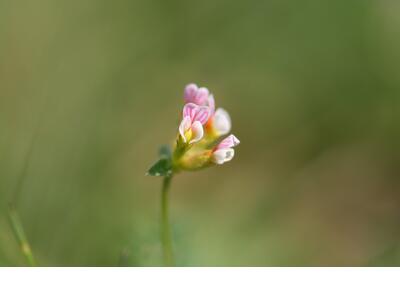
[219, 122]
[200, 96]
[191, 127]
[224, 151]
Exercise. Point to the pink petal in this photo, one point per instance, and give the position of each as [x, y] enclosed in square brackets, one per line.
[190, 92]
[202, 114]
[202, 96]
[196, 113]
[228, 142]
[189, 110]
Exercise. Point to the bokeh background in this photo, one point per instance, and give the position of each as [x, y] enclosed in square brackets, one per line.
[90, 89]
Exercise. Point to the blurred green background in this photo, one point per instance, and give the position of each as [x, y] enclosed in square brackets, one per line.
[90, 89]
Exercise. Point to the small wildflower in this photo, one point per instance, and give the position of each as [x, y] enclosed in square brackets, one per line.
[199, 131]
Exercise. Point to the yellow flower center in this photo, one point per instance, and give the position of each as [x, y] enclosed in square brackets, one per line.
[188, 135]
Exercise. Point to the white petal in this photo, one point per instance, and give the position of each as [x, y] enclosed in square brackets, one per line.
[197, 132]
[222, 122]
[184, 126]
[223, 155]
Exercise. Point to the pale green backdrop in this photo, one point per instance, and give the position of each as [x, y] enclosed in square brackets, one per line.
[94, 87]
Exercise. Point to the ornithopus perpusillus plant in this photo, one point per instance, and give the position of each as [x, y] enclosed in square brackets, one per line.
[201, 142]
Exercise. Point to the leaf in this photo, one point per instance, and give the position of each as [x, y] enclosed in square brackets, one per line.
[162, 167]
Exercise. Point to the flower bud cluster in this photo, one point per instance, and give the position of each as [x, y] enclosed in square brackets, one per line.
[200, 142]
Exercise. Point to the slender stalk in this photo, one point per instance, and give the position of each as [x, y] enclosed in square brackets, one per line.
[15, 221]
[166, 240]
[20, 235]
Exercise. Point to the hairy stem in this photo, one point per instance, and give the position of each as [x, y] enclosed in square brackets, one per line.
[20, 235]
[165, 227]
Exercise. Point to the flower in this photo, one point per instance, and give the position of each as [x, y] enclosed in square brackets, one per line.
[224, 151]
[201, 127]
[219, 122]
[194, 117]
[200, 96]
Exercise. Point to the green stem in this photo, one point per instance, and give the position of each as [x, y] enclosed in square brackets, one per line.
[165, 228]
[20, 235]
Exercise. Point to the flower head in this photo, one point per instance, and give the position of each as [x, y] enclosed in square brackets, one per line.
[216, 123]
[200, 128]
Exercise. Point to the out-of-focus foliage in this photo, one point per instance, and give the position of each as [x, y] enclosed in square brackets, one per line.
[94, 87]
